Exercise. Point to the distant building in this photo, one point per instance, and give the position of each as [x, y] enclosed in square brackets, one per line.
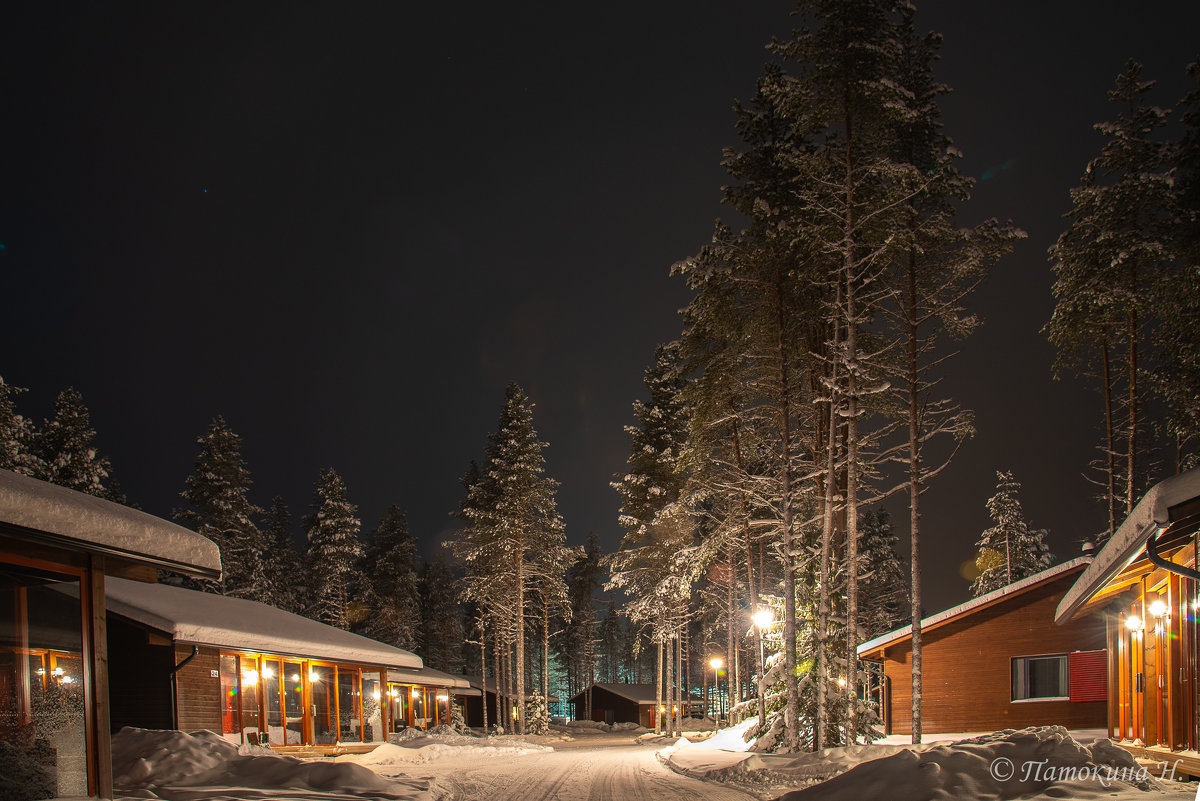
[181, 659]
[997, 662]
[1144, 588]
[58, 551]
[472, 704]
[626, 703]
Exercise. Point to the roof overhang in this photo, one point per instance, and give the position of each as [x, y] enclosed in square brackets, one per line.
[46, 513]
[867, 649]
[1126, 548]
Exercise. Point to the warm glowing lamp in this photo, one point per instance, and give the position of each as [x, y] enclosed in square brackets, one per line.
[716, 662]
[312, 676]
[763, 618]
[1134, 623]
[1158, 608]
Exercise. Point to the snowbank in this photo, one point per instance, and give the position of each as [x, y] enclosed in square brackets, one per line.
[1042, 761]
[421, 748]
[172, 764]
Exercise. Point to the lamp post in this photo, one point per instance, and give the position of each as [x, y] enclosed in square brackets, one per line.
[715, 663]
[762, 618]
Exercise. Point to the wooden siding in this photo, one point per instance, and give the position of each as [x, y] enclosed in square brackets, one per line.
[198, 689]
[967, 682]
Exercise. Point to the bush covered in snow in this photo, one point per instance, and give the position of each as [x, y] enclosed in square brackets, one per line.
[537, 716]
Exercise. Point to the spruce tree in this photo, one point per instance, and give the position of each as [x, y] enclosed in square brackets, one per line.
[389, 583]
[219, 508]
[333, 550]
[512, 519]
[1110, 265]
[282, 563]
[17, 435]
[884, 588]
[65, 449]
[1010, 550]
[441, 623]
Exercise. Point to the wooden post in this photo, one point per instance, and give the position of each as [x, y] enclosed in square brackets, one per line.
[96, 678]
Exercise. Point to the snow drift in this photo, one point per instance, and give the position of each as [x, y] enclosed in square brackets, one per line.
[172, 764]
[1005, 765]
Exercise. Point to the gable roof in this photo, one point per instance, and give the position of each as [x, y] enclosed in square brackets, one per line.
[58, 516]
[976, 604]
[1151, 515]
[638, 693]
[206, 619]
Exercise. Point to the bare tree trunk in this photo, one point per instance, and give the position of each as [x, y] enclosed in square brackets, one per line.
[483, 669]
[546, 649]
[821, 737]
[519, 559]
[791, 715]
[1131, 478]
[731, 661]
[914, 491]
[1109, 444]
[658, 686]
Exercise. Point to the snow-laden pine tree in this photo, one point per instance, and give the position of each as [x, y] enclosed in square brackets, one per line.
[441, 632]
[537, 716]
[932, 276]
[331, 530]
[1109, 267]
[388, 583]
[512, 519]
[883, 588]
[17, 435]
[611, 640]
[219, 508]
[577, 640]
[65, 448]
[1176, 338]
[1009, 550]
[282, 563]
[651, 566]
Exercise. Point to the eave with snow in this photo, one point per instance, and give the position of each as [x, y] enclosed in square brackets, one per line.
[995, 662]
[58, 550]
[1143, 585]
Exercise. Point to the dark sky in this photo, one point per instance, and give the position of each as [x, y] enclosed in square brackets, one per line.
[347, 229]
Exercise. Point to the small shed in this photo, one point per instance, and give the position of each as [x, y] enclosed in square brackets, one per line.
[188, 660]
[485, 693]
[997, 662]
[624, 703]
[58, 551]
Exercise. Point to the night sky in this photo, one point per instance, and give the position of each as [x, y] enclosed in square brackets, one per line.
[346, 229]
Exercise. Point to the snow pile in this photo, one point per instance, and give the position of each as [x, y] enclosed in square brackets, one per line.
[390, 755]
[170, 764]
[587, 724]
[731, 739]
[1004, 765]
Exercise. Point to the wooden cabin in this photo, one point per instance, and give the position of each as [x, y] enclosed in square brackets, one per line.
[59, 549]
[1143, 586]
[625, 703]
[997, 662]
[181, 659]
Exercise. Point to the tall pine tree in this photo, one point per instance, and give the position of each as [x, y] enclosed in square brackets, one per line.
[66, 451]
[1010, 550]
[282, 563]
[442, 635]
[333, 551]
[219, 508]
[389, 583]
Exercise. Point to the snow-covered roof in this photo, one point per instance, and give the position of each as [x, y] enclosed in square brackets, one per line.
[430, 678]
[983, 600]
[60, 516]
[206, 619]
[638, 693]
[1151, 514]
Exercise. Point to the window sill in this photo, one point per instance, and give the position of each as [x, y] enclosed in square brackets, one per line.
[1041, 700]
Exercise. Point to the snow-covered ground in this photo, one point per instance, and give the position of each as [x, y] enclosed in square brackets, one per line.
[1045, 762]
[600, 764]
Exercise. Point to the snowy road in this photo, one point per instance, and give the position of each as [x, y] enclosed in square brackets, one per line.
[612, 773]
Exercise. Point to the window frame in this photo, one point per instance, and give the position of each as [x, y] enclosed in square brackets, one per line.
[1064, 680]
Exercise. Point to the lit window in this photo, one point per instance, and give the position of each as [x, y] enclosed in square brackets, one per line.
[1040, 678]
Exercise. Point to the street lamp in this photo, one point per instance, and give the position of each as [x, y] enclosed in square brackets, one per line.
[762, 618]
[715, 663]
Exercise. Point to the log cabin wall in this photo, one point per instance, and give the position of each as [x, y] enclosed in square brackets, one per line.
[967, 667]
[198, 688]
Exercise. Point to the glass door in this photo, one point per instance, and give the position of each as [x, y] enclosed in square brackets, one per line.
[349, 705]
[399, 707]
[293, 703]
[272, 690]
[373, 707]
[322, 688]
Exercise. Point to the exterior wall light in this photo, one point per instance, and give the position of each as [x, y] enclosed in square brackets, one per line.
[1158, 608]
[1134, 623]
